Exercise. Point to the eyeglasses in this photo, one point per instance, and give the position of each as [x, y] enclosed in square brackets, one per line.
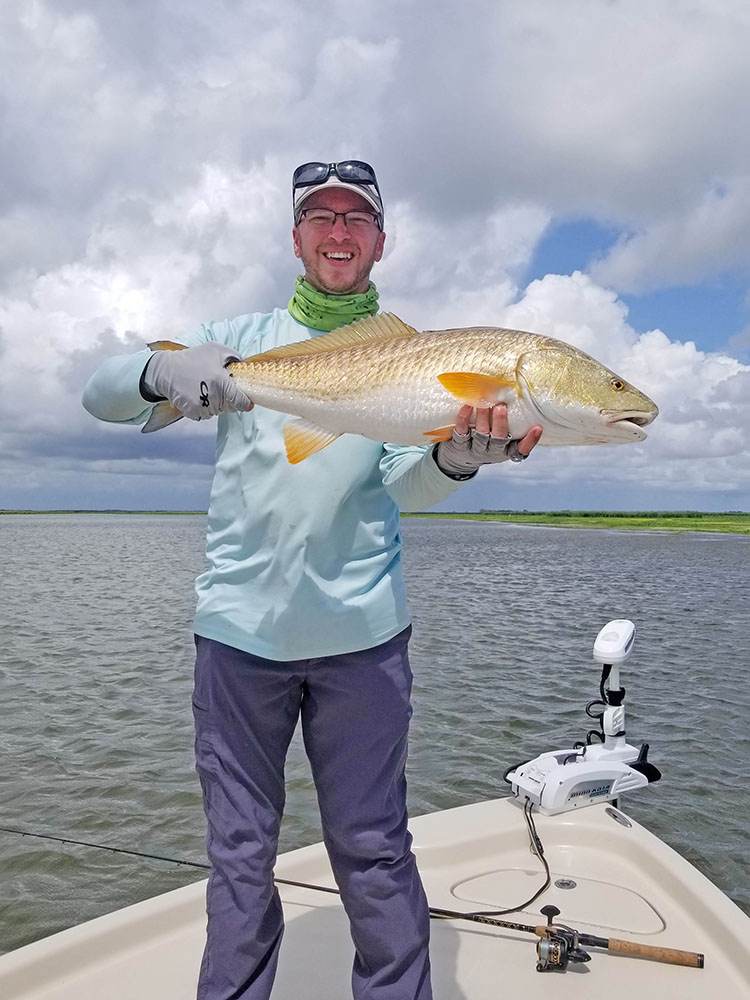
[325, 218]
[349, 171]
[355, 174]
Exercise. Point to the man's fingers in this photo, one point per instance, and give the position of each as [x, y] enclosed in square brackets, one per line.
[500, 421]
[483, 421]
[527, 444]
[462, 420]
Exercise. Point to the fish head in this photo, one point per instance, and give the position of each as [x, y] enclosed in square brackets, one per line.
[580, 401]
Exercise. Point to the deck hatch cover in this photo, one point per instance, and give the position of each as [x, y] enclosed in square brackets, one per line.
[592, 903]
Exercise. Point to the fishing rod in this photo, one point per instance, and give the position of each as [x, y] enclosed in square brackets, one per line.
[558, 944]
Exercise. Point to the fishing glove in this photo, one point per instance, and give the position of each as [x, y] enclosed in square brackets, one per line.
[462, 456]
[195, 381]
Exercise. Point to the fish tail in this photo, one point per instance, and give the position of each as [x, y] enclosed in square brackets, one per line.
[163, 414]
[166, 345]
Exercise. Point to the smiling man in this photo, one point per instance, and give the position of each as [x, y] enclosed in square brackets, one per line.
[302, 612]
[338, 240]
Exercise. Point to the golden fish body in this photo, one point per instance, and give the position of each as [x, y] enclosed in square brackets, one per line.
[384, 380]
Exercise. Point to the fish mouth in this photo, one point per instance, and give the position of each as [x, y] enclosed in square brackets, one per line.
[629, 424]
[639, 418]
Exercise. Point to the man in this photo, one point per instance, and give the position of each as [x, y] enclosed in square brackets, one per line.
[302, 612]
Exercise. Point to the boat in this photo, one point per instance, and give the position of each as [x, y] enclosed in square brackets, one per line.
[551, 891]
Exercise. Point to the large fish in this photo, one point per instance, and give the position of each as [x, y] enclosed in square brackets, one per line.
[384, 380]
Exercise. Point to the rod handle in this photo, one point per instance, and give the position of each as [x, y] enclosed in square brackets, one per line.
[674, 956]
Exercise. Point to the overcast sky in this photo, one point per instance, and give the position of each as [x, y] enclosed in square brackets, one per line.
[570, 167]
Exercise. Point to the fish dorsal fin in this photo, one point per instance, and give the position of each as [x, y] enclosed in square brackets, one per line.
[303, 438]
[384, 326]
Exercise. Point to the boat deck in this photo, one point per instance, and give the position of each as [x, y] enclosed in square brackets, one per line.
[627, 884]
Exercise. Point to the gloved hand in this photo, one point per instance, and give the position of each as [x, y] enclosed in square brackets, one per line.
[471, 447]
[194, 380]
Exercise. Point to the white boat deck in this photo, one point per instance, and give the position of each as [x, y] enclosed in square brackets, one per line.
[628, 884]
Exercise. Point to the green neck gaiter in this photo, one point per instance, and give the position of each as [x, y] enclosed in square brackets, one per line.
[322, 311]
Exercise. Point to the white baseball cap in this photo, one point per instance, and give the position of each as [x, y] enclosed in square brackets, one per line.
[349, 175]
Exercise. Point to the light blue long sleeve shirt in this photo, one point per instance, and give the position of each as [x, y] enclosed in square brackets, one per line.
[303, 560]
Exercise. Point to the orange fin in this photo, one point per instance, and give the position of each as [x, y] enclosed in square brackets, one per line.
[304, 438]
[474, 389]
[166, 345]
[162, 415]
[372, 329]
[440, 433]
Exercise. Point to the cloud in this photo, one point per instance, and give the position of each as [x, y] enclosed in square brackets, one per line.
[709, 237]
[145, 188]
[456, 272]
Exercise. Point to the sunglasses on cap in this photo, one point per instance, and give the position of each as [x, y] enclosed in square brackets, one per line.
[353, 174]
[349, 171]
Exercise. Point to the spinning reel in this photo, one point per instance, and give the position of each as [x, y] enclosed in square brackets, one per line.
[559, 946]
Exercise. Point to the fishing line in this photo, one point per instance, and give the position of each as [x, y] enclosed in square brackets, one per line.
[103, 847]
[197, 864]
[612, 945]
[535, 843]
[434, 911]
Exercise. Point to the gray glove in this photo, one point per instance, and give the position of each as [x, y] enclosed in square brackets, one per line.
[465, 453]
[194, 381]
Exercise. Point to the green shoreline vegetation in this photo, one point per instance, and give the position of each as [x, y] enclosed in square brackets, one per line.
[728, 522]
[112, 510]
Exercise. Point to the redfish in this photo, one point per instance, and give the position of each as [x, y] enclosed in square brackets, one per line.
[385, 380]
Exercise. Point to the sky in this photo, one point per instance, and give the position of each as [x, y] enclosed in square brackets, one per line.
[578, 168]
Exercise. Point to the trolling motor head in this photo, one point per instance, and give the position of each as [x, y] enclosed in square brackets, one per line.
[605, 765]
[612, 647]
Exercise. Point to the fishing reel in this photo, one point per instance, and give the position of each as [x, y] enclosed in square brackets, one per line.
[559, 946]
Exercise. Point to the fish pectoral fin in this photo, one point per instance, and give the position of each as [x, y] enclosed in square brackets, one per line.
[474, 389]
[162, 415]
[303, 438]
[166, 345]
[372, 329]
[439, 434]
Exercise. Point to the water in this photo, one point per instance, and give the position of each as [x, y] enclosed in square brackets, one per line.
[95, 678]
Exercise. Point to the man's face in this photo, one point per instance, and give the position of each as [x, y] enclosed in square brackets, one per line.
[361, 249]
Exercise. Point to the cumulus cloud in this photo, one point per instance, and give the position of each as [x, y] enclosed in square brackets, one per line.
[145, 188]
[707, 238]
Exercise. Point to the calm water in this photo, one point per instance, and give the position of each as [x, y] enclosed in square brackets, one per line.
[95, 678]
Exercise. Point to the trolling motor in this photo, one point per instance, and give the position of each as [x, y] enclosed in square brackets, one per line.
[605, 765]
[597, 770]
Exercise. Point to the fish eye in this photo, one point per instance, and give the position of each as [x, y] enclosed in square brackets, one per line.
[617, 384]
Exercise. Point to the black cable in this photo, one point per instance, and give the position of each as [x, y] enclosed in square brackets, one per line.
[538, 848]
[595, 715]
[513, 767]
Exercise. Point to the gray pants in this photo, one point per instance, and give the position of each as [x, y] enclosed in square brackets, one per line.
[355, 712]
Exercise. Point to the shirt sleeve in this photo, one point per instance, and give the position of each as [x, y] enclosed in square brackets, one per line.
[113, 391]
[412, 478]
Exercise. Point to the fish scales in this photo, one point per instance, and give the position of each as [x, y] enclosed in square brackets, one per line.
[347, 373]
[363, 387]
[384, 380]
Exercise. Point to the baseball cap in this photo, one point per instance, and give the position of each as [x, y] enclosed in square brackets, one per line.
[350, 175]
